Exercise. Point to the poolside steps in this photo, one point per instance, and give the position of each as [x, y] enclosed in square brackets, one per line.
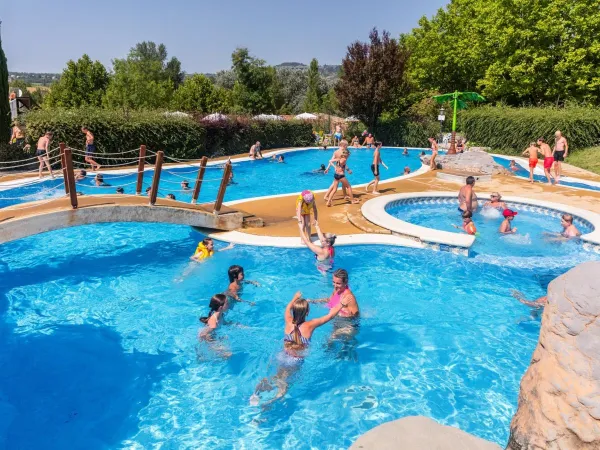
[455, 176]
[252, 221]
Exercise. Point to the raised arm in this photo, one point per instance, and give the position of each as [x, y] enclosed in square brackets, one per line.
[288, 309]
[319, 232]
[315, 323]
[526, 152]
[314, 248]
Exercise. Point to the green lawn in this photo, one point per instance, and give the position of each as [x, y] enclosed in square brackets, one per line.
[586, 158]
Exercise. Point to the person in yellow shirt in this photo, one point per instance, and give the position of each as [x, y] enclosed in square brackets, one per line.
[305, 204]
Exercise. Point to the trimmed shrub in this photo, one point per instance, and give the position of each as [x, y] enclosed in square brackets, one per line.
[403, 132]
[505, 128]
[179, 137]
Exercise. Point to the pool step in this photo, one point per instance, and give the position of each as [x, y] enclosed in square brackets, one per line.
[251, 221]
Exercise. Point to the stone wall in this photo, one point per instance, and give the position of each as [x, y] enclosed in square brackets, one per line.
[559, 400]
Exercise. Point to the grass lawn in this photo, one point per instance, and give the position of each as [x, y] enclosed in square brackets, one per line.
[586, 158]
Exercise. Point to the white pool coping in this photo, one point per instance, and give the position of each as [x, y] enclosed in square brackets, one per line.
[374, 211]
[524, 163]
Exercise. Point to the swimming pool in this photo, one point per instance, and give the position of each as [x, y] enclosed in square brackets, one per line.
[99, 350]
[537, 228]
[251, 178]
[538, 175]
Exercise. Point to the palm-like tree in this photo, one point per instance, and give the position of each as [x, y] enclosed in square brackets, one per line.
[459, 100]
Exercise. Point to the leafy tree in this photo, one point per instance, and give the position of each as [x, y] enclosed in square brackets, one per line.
[149, 51]
[4, 105]
[225, 79]
[371, 73]
[253, 91]
[83, 82]
[312, 101]
[198, 93]
[330, 103]
[292, 89]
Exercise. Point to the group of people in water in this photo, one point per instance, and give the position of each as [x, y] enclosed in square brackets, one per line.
[468, 203]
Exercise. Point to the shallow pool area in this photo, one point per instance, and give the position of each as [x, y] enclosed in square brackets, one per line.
[536, 234]
[256, 178]
[98, 330]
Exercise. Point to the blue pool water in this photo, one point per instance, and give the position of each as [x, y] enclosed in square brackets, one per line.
[524, 173]
[252, 178]
[531, 239]
[98, 343]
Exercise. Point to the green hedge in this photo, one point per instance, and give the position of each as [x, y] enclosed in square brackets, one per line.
[403, 132]
[507, 128]
[116, 131]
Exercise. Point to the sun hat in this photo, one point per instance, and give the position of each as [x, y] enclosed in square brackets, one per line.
[307, 196]
[509, 213]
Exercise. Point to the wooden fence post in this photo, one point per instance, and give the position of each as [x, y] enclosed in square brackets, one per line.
[63, 166]
[70, 177]
[222, 188]
[140, 174]
[156, 179]
[199, 179]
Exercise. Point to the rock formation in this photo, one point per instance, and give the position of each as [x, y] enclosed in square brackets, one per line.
[471, 162]
[419, 433]
[559, 400]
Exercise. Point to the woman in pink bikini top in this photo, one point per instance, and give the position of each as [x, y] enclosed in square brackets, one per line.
[341, 290]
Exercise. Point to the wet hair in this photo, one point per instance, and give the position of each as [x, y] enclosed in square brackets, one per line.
[148, 189]
[322, 166]
[378, 144]
[234, 272]
[216, 302]
[567, 218]
[205, 241]
[185, 182]
[120, 190]
[282, 157]
[467, 215]
[423, 153]
[470, 180]
[342, 274]
[99, 177]
[83, 172]
[299, 313]
[330, 238]
[171, 196]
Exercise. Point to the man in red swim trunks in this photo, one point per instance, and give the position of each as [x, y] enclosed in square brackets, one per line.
[548, 158]
[532, 152]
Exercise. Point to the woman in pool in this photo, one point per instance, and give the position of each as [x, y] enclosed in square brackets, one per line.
[341, 295]
[325, 252]
[495, 202]
[296, 339]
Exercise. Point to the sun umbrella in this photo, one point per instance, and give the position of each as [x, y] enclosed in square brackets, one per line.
[306, 116]
[268, 117]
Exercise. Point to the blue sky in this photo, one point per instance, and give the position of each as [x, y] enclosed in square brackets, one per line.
[202, 34]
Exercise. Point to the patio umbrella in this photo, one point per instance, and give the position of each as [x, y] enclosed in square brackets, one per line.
[268, 117]
[306, 116]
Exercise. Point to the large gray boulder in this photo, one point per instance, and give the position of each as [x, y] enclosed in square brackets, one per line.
[468, 162]
[419, 433]
[559, 400]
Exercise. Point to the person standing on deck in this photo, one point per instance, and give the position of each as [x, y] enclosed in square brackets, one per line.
[434, 153]
[375, 168]
[90, 148]
[548, 158]
[43, 147]
[560, 152]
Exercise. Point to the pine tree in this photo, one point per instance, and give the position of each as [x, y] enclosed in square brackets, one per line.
[4, 105]
[312, 103]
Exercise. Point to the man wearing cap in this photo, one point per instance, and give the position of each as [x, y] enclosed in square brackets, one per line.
[505, 226]
[305, 203]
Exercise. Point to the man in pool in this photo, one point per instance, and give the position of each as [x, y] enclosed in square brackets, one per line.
[81, 175]
[548, 158]
[405, 152]
[570, 231]
[467, 199]
[505, 226]
[320, 169]
[369, 141]
[538, 304]
[375, 168]
[560, 152]
[532, 151]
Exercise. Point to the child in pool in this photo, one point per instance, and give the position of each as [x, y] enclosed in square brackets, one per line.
[217, 305]
[513, 165]
[206, 249]
[236, 282]
[468, 225]
[505, 226]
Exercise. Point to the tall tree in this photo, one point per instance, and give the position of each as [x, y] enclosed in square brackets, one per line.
[312, 102]
[292, 87]
[198, 93]
[253, 91]
[83, 82]
[372, 73]
[149, 51]
[4, 105]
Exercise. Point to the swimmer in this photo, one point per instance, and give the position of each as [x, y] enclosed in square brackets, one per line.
[320, 170]
[215, 317]
[468, 225]
[297, 333]
[405, 152]
[281, 159]
[185, 185]
[538, 304]
[355, 142]
[467, 199]
[341, 295]
[434, 153]
[236, 283]
[494, 202]
[532, 151]
[375, 168]
[513, 166]
[325, 252]
[505, 226]
[406, 170]
[149, 191]
[255, 152]
[99, 180]
[171, 196]
[120, 190]
[81, 175]
[548, 158]
[305, 205]
[206, 249]
[230, 181]
[570, 231]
